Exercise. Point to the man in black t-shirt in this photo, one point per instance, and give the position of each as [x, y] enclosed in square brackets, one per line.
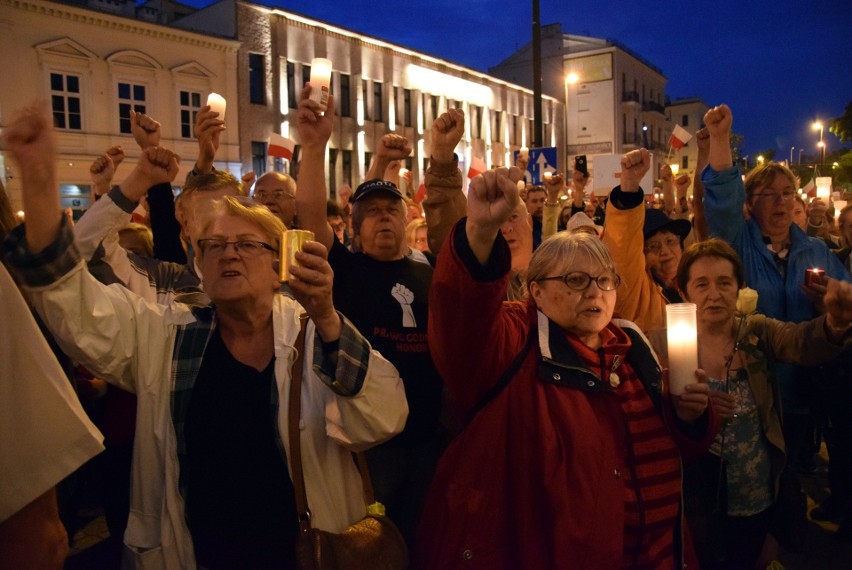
[385, 295]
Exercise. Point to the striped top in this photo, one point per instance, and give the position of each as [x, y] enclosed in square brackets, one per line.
[652, 470]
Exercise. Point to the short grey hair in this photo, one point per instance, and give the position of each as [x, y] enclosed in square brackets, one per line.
[556, 254]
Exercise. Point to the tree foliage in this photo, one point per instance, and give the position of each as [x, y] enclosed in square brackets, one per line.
[842, 126]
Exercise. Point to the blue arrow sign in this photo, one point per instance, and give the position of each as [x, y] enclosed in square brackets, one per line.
[541, 160]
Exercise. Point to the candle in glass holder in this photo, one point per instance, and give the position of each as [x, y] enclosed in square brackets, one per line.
[548, 176]
[682, 336]
[217, 104]
[291, 242]
[320, 81]
[814, 276]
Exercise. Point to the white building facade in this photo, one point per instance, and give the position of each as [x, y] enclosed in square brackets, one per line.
[614, 99]
[689, 114]
[91, 67]
[378, 87]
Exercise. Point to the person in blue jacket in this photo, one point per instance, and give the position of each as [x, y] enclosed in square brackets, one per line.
[755, 216]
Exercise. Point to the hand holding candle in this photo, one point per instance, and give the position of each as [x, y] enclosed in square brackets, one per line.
[291, 242]
[682, 336]
[320, 81]
[217, 105]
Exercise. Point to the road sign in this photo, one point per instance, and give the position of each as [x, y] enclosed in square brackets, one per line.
[541, 160]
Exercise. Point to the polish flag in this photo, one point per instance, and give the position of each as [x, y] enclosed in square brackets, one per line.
[679, 138]
[421, 193]
[810, 189]
[282, 147]
[477, 166]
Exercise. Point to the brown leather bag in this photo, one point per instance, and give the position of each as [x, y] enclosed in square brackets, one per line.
[373, 542]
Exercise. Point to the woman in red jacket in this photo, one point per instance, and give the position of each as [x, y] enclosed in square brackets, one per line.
[574, 462]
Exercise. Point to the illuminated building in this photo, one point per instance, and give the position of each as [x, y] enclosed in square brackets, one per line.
[91, 66]
[379, 87]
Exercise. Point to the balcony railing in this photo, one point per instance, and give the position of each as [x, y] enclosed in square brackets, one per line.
[630, 97]
[653, 106]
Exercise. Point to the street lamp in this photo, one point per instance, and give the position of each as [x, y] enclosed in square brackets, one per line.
[570, 79]
[792, 148]
[818, 126]
[800, 155]
[760, 158]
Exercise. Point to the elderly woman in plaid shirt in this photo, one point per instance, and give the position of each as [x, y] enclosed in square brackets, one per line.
[211, 484]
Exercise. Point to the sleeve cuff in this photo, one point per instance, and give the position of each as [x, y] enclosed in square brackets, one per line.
[626, 200]
[441, 168]
[499, 262]
[127, 205]
[342, 365]
[47, 266]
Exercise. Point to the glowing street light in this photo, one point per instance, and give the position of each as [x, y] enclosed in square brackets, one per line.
[760, 158]
[818, 126]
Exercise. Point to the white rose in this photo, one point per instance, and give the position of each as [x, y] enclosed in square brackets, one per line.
[746, 301]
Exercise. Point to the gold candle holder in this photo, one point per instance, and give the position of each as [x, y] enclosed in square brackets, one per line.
[291, 242]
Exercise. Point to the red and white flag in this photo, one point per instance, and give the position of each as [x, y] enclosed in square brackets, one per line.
[282, 147]
[421, 193]
[477, 166]
[679, 138]
[810, 189]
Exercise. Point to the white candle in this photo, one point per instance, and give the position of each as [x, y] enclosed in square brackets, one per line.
[217, 104]
[682, 334]
[547, 176]
[524, 152]
[320, 80]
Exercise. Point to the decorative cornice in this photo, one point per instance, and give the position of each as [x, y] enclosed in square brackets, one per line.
[123, 24]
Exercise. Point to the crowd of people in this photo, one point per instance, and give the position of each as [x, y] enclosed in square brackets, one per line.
[499, 355]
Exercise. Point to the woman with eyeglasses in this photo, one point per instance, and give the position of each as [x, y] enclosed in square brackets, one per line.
[571, 453]
[778, 259]
[211, 483]
[646, 245]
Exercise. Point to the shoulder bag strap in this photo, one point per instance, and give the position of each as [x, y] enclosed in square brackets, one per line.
[294, 413]
[504, 379]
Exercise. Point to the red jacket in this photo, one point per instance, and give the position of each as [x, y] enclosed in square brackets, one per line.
[533, 481]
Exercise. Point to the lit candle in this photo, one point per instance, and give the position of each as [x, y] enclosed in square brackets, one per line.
[291, 242]
[524, 153]
[217, 104]
[813, 276]
[320, 80]
[682, 335]
[548, 176]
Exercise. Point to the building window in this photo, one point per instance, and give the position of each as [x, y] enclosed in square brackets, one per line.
[130, 96]
[378, 106]
[684, 162]
[345, 97]
[365, 99]
[435, 105]
[347, 167]
[257, 79]
[258, 157]
[65, 101]
[333, 153]
[190, 103]
[292, 94]
[684, 120]
[476, 127]
[306, 74]
[406, 107]
[368, 158]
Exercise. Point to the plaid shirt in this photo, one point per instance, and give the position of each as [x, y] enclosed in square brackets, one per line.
[341, 365]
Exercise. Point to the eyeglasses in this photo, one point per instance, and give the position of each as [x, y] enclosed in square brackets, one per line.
[245, 247]
[786, 196]
[275, 194]
[657, 246]
[580, 280]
